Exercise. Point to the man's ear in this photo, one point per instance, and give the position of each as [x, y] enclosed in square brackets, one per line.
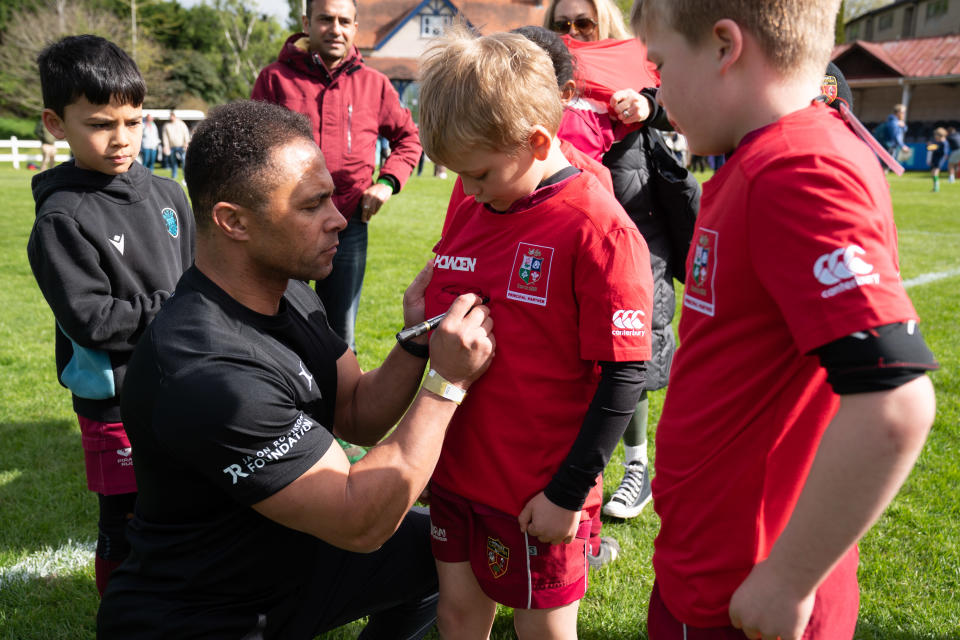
[53, 123]
[231, 219]
[305, 23]
[568, 91]
[727, 39]
[540, 140]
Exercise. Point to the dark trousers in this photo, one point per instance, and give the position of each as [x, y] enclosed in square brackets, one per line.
[340, 291]
[177, 157]
[396, 586]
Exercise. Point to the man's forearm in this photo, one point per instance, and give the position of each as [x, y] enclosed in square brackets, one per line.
[389, 479]
[358, 507]
[864, 457]
[382, 395]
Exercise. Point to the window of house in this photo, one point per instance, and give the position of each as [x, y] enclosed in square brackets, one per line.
[936, 8]
[885, 21]
[907, 23]
[432, 26]
[853, 32]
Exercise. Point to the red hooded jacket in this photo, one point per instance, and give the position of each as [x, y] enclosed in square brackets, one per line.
[348, 108]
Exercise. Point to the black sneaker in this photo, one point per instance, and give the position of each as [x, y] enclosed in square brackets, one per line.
[632, 495]
[609, 551]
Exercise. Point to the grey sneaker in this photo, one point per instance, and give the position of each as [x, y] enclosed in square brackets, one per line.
[609, 551]
[632, 495]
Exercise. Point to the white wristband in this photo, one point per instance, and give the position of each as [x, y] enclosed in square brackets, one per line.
[442, 387]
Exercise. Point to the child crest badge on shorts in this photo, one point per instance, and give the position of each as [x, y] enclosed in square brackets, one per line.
[498, 557]
[530, 275]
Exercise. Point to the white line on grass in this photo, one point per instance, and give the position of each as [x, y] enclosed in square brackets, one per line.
[47, 562]
[927, 278]
[920, 232]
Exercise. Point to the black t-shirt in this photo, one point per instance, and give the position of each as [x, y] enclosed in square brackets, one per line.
[224, 407]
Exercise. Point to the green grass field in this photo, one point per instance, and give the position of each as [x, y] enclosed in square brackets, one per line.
[910, 571]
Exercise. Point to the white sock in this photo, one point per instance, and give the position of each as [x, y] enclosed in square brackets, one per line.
[635, 454]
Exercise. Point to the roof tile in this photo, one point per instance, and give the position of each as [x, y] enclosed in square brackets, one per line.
[914, 58]
[377, 18]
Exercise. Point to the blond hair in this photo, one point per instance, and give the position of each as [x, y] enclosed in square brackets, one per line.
[610, 22]
[795, 35]
[485, 93]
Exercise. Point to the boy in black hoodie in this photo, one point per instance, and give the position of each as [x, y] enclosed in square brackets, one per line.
[109, 243]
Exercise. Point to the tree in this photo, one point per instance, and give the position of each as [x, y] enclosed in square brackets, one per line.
[296, 11]
[29, 30]
[10, 7]
[856, 8]
[233, 38]
[166, 22]
[207, 53]
[252, 41]
[194, 74]
[839, 30]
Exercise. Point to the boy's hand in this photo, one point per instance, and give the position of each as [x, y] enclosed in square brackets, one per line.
[766, 606]
[630, 106]
[548, 522]
[373, 198]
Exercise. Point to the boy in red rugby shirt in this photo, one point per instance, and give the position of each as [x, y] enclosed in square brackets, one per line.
[569, 282]
[797, 401]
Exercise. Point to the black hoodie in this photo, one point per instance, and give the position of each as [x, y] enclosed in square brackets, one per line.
[106, 252]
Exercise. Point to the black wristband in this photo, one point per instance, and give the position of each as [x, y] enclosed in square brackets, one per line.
[415, 348]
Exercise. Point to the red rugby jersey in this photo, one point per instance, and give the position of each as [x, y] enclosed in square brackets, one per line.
[569, 283]
[795, 247]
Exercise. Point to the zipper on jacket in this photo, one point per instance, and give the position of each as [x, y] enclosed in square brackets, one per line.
[349, 128]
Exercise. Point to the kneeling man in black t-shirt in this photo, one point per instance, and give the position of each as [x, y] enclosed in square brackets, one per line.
[250, 522]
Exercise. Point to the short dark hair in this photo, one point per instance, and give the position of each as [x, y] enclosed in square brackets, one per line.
[229, 156]
[553, 44]
[88, 66]
[309, 6]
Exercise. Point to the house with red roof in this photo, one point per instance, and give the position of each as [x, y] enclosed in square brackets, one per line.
[394, 33]
[906, 52]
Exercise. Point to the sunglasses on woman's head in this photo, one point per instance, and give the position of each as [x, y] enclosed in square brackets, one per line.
[584, 25]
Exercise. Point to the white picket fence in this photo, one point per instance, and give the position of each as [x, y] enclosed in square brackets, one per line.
[29, 151]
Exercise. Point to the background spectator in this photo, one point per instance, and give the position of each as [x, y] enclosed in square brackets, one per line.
[149, 142]
[176, 137]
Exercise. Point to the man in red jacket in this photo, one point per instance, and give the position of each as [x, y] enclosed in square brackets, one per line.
[321, 74]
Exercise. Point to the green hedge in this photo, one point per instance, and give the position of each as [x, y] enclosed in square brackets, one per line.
[20, 127]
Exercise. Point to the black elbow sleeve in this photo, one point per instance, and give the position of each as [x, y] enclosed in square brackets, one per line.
[879, 359]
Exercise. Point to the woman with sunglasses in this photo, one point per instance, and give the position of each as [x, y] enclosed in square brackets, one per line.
[589, 21]
[586, 20]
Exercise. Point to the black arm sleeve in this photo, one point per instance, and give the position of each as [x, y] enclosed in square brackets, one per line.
[876, 360]
[615, 400]
[658, 115]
